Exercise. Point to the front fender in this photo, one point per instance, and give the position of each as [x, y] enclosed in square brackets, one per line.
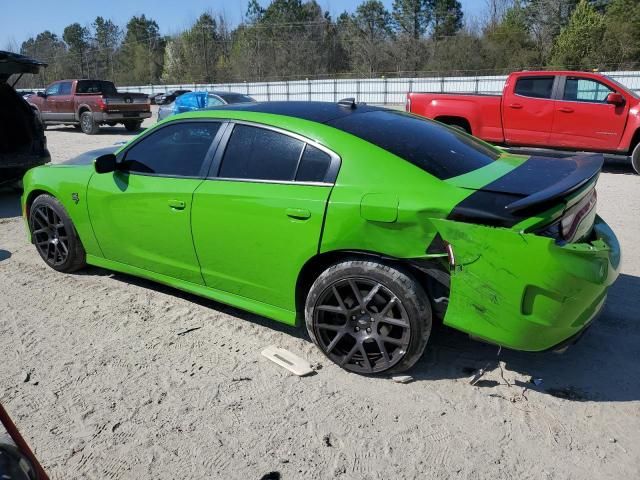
[69, 185]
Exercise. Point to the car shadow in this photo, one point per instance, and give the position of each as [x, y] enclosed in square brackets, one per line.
[204, 302]
[104, 130]
[619, 166]
[9, 203]
[601, 367]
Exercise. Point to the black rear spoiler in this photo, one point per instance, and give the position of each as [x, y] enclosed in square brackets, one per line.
[588, 168]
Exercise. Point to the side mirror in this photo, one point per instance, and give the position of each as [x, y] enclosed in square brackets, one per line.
[42, 94]
[615, 99]
[105, 163]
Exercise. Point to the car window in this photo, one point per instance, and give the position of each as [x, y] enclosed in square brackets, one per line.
[213, 100]
[96, 86]
[237, 98]
[53, 89]
[175, 150]
[65, 88]
[442, 151]
[536, 87]
[255, 153]
[314, 165]
[585, 90]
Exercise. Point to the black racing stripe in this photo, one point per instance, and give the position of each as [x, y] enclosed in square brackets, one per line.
[486, 208]
[544, 180]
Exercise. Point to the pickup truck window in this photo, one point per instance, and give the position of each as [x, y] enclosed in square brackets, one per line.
[585, 90]
[53, 90]
[96, 86]
[431, 146]
[65, 88]
[536, 87]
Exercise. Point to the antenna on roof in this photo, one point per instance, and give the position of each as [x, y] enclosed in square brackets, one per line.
[348, 102]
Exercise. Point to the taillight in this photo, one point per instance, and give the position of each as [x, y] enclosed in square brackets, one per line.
[102, 105]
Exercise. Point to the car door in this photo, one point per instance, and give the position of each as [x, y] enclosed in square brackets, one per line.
[527, 113]
[141, 213]
[259, 216]
[64, 102]
[48, 105]
[584, 120]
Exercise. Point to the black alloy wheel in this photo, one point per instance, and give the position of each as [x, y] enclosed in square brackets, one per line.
[49, 235]
[368, 318]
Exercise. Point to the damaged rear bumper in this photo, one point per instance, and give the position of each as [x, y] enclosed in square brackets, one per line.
[525, 292]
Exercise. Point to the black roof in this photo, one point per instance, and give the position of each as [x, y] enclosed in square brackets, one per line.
[320, 112]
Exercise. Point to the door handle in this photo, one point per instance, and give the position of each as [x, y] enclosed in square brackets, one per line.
[566, 110]
[517, 106]
[177, 204]
[298, 213]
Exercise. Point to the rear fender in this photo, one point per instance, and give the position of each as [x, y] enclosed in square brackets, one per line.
[524, 291]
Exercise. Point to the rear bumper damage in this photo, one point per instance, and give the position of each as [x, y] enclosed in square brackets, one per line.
[526, 292]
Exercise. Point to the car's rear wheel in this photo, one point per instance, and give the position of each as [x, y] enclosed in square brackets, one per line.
[88, 124]
[368, 317]
[132, 126]
[55, 236]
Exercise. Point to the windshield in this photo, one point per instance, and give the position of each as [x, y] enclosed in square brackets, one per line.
[622, 87]
[435, 148]
[96, 86]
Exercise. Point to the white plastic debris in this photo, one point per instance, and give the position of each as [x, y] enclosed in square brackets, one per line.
[288, 360]
[402, 379]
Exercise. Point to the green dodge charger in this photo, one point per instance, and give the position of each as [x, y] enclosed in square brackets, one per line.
[366, 224]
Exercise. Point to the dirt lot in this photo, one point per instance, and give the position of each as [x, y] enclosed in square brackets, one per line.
[104, 385]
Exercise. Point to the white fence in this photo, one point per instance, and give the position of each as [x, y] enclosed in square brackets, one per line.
[369, 90]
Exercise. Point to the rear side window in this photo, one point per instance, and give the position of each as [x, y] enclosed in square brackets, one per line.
[255, 153]
[536, 87]
[439, 150]
[95, 87]
[314, 165]
[175, 150]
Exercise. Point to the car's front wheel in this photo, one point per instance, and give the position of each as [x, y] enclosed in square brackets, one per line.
[368, 317]
[55, 236]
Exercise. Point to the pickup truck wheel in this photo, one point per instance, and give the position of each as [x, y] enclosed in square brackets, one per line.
[635, 159]
[88, 124]
[132, 126]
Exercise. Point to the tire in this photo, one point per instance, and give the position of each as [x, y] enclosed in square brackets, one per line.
[389, 312]
[132, 126]
[635, 159]
[88, 124]
[53, 232]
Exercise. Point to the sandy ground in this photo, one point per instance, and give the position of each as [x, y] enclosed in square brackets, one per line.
[99, 377]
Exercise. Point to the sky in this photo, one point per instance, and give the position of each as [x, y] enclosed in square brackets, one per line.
[22, 19]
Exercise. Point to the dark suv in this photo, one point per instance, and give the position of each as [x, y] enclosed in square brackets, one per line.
[23, 144]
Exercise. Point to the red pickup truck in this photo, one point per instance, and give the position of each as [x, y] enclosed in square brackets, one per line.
[561, 110]
[87, 104]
